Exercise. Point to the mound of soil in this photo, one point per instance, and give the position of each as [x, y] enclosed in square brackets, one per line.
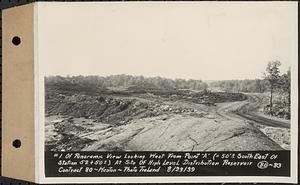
[109, 109]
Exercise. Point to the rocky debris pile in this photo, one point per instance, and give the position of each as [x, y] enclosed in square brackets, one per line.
[118, 110]
[108, 109]
[278, 110]
[69, 142]
[177, 110]
[202, 97]
[208, 98]
[65, 136]
[281, 136]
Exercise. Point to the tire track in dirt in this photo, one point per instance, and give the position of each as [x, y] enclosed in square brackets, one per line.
[246, 110]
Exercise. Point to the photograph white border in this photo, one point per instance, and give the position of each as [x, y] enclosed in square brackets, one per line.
[40, 134]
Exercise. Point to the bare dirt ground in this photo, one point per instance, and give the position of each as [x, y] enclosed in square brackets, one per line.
[174, 125]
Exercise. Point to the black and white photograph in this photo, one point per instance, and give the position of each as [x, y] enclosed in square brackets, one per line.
[151, 92]
[137, 113]
[194, 78]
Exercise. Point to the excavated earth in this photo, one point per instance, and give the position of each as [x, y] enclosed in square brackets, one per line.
[152, 122]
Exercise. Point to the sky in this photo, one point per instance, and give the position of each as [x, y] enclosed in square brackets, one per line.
[200, 40]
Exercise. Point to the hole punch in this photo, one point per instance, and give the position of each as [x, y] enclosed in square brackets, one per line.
[16, 143]
[16, 40]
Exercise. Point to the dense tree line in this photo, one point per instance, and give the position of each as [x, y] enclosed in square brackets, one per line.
[126, 81]
[254, 86]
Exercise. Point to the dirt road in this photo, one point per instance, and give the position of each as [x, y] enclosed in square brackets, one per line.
[248, 110]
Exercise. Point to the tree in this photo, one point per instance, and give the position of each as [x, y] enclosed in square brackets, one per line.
[272, 75]
[285, 85]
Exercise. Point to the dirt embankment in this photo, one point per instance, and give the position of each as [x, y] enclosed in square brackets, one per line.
[146, 122]
[111, 110]
[116, 108]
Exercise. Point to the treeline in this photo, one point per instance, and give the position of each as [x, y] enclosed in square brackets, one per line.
[254, 86]
[126, 81]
